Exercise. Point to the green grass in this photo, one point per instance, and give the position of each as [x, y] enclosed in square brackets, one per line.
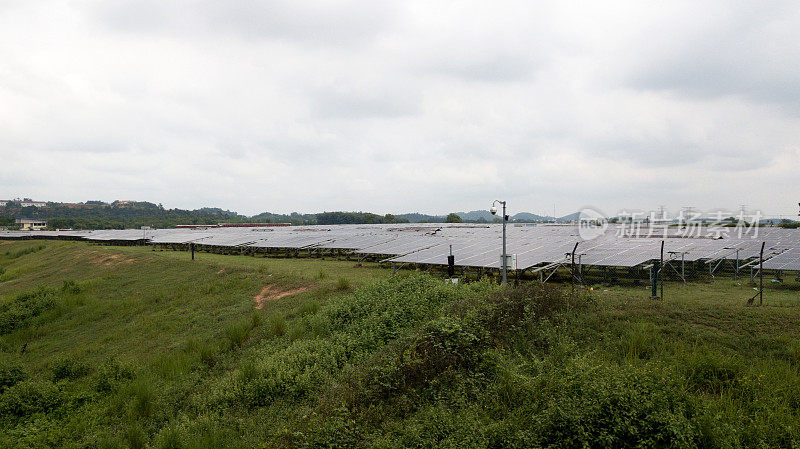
[129, 347]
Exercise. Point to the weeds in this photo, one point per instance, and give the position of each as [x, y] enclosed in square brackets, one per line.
[143, 397]
[276, 324]
[24, 307]
[10, 375]
[23, 252]
[237, 333]
[343, 284]
[409, 361]
[68, 368]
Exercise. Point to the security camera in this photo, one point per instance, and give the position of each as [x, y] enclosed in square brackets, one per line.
[493, 210]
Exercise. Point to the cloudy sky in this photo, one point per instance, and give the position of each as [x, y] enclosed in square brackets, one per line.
[401, 106]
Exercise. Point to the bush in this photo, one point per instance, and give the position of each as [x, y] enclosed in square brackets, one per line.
[68, 368]
[10, 375]
[16, 313]
[29, 397]
[512, 309]
[614, 409]
[302, 368]
[70, 287]
[110, 374]
[444, 344]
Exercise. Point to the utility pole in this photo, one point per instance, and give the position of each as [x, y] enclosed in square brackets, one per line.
[493, 210]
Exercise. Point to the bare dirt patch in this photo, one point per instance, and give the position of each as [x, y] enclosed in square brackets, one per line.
[108, 260]
[271, 293]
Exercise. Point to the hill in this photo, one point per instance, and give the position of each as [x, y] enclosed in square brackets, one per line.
[135, 214]
[129, 347]
[117, 215]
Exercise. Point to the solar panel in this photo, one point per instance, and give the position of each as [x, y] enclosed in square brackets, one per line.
[475, 245]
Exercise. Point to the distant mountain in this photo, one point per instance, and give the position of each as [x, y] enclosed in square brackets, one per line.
[527, 216]
[571, 217]
[777, 221]
[416, 217]
[477, 215]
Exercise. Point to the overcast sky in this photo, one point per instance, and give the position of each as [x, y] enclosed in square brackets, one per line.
[402, 106]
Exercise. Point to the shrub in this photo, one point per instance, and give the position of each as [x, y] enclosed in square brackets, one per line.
[110, 374]
[70, 287]
[444, 344]
[29, 397]
[514, 308]
[16, 313]
[10, 375]
[68, 368]
[302, 368]
[614, 409]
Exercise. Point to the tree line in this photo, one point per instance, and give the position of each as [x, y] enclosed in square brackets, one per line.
[118, 215]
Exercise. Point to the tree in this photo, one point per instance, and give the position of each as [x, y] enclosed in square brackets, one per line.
[453, 218]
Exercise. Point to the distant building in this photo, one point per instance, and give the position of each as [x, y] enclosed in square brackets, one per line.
[31, 224]
[24, 203]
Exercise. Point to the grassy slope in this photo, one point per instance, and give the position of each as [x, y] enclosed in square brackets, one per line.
[137, 304]
[194, 365]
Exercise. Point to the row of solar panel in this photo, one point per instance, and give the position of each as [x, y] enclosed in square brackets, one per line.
[475, 246]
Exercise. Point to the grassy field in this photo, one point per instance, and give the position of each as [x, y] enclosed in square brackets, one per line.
[129, 347]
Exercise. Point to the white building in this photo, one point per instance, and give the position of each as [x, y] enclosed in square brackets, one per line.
[24, 203]
[31, 224]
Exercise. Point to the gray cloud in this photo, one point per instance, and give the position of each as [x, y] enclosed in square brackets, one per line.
[745, 49]
[379, 103]
[398, 106]
[337, 22]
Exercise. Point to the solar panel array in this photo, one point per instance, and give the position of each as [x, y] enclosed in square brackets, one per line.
[477, 245]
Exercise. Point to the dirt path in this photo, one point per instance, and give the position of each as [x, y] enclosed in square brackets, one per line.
[271, 293]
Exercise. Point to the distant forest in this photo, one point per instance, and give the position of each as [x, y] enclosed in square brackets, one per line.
[126, 215]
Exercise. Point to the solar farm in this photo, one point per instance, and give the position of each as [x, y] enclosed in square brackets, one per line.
[538, 251]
